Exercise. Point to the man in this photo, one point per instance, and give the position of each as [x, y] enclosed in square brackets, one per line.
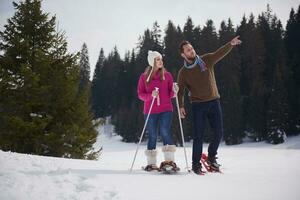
[197, 75]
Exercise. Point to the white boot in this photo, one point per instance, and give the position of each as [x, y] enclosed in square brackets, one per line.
[151, 156]
[168, 151]
[169, 164]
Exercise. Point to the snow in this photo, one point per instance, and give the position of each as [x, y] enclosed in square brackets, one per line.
[251, 171]
[35, 115]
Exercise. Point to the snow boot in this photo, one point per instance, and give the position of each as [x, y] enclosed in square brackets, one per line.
[197, 169]
[151, 160]
[212, 163]
[169, 164]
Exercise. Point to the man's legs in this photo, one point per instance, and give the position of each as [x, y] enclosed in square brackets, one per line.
[216, 123]
[199, 117]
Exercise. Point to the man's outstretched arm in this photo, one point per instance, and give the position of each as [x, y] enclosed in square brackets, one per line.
[224, 50]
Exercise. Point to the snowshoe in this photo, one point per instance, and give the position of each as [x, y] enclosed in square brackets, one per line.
[210, 163]
[150, 168]
[197, 169]
[169, 167]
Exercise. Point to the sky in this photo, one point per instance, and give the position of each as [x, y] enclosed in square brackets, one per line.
[108, 23]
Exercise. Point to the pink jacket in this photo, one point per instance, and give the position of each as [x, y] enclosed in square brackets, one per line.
[166, 93]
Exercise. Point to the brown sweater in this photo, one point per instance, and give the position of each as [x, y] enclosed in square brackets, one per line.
[201, 85]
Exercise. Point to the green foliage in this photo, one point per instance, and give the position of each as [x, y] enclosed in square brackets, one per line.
[42, 111]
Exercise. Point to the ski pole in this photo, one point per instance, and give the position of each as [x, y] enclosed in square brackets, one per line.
[181, 130]
[141, 137]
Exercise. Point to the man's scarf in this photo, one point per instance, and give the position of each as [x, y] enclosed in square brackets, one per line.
[198, 61]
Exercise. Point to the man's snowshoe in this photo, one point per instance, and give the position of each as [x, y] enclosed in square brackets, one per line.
[210, 163]
[197, 169]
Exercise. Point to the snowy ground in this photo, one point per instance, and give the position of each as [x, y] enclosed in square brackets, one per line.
[251, 171]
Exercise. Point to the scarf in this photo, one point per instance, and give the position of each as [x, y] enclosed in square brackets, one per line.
[198, 61]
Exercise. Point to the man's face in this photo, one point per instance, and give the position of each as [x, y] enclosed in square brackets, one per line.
[188, 52]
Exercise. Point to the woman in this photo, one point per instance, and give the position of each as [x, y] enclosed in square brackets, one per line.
[160, 118]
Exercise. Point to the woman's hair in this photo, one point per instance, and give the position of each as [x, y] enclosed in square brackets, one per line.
[150, 69]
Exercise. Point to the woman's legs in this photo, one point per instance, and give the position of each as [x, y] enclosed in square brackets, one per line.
[152, 128]
[165, 121]
[151, 152]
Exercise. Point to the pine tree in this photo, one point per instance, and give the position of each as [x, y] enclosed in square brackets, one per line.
[264, 27]
[197, 35]
[253, 88]
[173, 37]
[151, 40]
[98, 86]
[126, 111]
[23, 66]
[293, 61]
[156, 37]
[228, 79]
[278, 109]
[243, 30]
[188, 31]
[109, 89]
[43, 113]
[84, 67]
[271, 30]
[278, 114]
[209, 39]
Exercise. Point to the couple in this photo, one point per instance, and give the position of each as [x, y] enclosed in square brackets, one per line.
[196, 75]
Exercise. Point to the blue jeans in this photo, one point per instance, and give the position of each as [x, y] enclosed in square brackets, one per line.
[159, 122]
[201, 111]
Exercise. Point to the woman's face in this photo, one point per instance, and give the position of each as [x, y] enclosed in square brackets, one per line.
[159, 62]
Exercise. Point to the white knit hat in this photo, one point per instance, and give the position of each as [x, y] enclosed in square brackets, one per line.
[151, 56]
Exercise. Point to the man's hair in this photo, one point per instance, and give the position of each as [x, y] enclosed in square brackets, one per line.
[184, 42]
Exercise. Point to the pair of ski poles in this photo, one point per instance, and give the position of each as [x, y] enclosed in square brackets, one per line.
[181, 130]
